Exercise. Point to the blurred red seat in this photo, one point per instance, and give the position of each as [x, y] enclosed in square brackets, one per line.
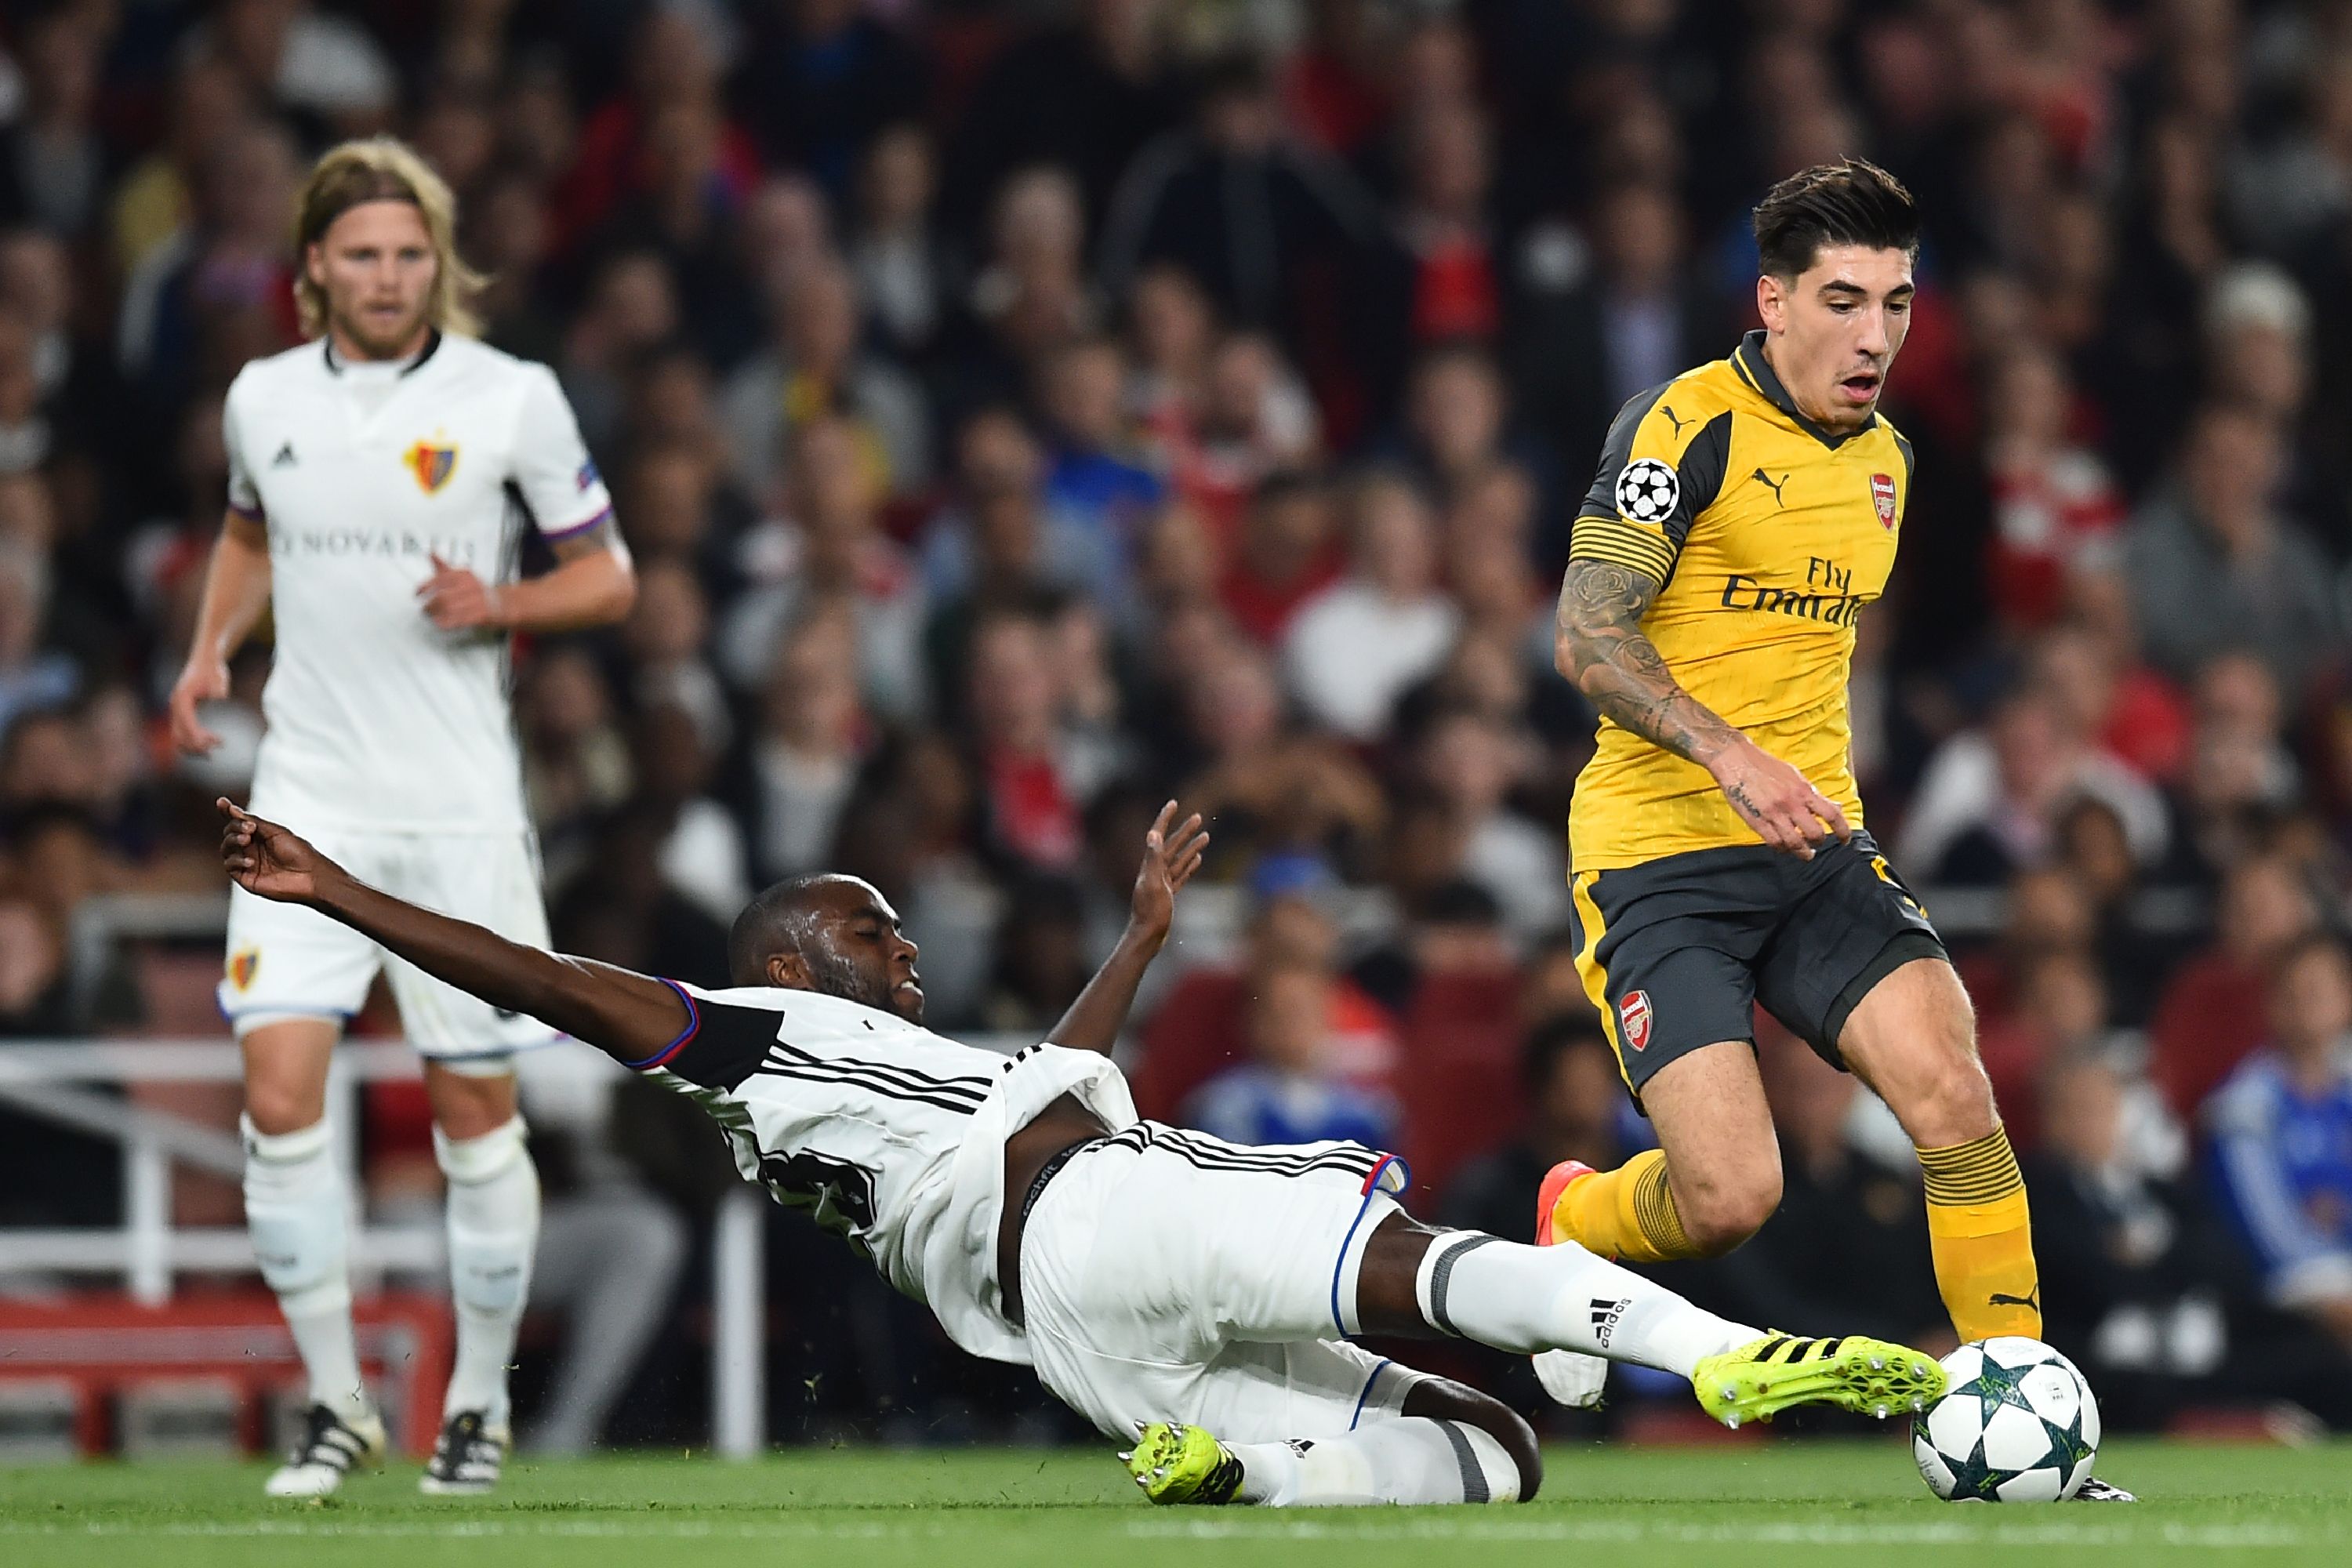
[1193, 1035]
[1459, 1075]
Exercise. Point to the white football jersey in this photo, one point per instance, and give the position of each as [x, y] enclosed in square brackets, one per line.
[378, 721]
[886, 1133]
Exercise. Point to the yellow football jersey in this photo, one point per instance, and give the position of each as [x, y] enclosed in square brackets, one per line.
[1770, 534]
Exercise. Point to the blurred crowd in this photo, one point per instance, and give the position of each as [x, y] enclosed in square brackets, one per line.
[1024, 413]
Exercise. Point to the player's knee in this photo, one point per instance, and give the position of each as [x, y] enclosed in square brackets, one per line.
[1509, 1428]
[294, 1213]
[276, 1107]
[1723, 1209]
[1952, 1100]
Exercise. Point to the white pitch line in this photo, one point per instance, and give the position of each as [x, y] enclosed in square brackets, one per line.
[1953, 1532]
[1368, 1528]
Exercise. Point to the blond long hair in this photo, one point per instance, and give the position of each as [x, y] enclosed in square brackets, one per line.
[380, 169]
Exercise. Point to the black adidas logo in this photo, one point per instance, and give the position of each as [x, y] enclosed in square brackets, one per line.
[285, 458]
[1605, 1315]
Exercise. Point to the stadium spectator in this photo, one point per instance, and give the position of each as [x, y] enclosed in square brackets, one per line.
[575, 763]
[52, 159]
[33, 999]
[1635, 319]
[2144, 1278]
[819, 79]
[1033, 292]
[2054, 508]
[1988, 803]
[895, 247]
[1240, 203]
[1472, 763]
[1083, 93]
[1041, 957]
[30, 676]
[1094, 476]
[2212, 1012]
[812, 369]
[828, 547]
[2215, 567]
[2281, 1124]
[1287, 553]
[1351, 649]
[1292, 1092]
[793, 781]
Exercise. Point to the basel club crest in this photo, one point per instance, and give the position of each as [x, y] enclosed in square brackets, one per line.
[1634, 1019]
[241, 965]
[1882, 496]
[431, 463]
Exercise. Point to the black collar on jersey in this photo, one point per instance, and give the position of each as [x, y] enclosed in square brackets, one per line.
[432, 347]
[1749, 361]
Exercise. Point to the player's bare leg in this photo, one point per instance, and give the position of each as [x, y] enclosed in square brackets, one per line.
[1913, 1040]
[295, 1207]
[477, 1137]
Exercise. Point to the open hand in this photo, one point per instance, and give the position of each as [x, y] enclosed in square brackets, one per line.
[457, 601]
[1779, 803]
[269, 861]
[1169, 858]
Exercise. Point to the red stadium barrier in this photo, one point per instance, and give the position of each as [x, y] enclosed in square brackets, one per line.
[105, 1345]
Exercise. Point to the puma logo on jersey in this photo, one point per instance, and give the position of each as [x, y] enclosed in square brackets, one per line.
[1773, 485]
[1671, 419]
[2031, 1299]
[285, 458]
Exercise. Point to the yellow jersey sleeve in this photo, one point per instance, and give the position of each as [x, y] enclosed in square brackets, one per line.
[1662, 466]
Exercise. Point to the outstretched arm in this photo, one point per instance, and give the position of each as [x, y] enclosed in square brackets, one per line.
[627, 1015]
[1169, 858]
[1598, 644]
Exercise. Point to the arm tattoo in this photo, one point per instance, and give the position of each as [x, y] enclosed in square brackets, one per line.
[1602, 650]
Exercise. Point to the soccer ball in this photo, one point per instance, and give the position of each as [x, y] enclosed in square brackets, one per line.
[2016, 1423]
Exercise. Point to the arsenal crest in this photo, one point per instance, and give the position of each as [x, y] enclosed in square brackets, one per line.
[1882, 496]
[432, 464]
[241, 965]
[1634, 1020]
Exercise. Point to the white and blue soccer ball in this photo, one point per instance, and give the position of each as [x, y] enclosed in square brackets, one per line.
[2016, 1423]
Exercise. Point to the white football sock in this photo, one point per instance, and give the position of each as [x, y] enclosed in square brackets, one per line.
[1400, 1459]
[294, 1209]
[493, 1231]
[1534, 1299]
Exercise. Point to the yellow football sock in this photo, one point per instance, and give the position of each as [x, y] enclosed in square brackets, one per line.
[1627, 1212]
[1982, 1238]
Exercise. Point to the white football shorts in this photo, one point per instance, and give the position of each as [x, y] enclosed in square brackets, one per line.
[287, 961]
[1170, 1276]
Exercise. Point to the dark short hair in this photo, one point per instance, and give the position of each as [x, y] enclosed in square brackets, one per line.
[1851, 202]
[780, 919]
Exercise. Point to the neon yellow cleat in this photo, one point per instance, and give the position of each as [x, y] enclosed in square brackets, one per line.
[1174, 1463]
[1869, 1377]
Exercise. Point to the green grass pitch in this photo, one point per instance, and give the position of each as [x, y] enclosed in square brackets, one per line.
[1815, 1503]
